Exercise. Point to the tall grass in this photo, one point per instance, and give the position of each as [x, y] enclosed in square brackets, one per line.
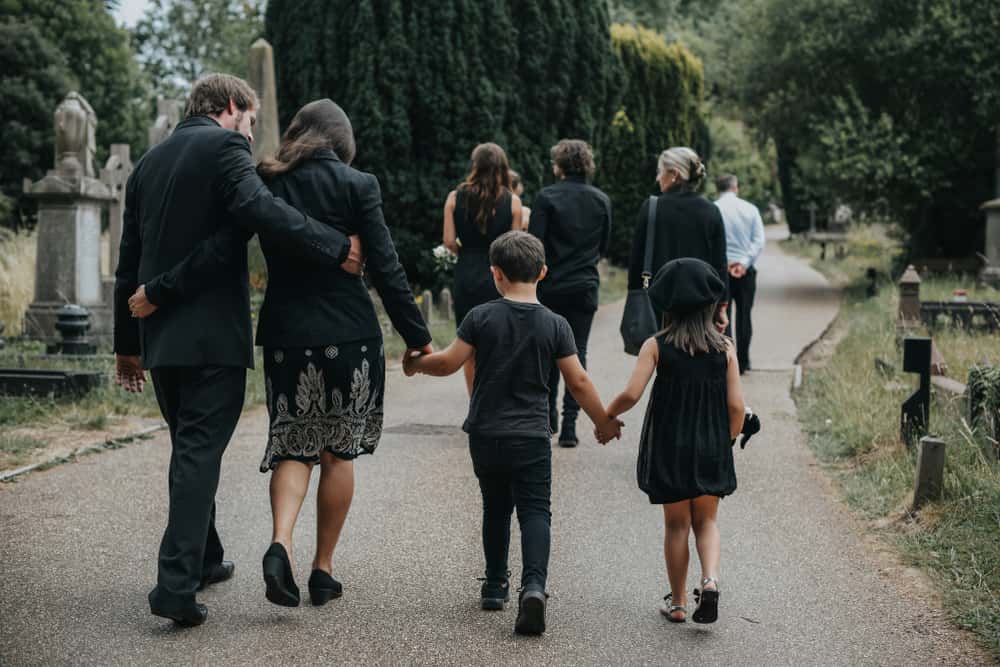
[850, 410]
[17, 277]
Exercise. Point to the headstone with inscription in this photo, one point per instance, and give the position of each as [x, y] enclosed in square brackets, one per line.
[266, 134]
[70, 202]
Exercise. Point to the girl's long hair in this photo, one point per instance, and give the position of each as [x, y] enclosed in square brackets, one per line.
[693, 332]
[319, 124]
[488, 178]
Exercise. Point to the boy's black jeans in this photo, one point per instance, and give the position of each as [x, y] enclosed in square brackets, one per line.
[515, 472]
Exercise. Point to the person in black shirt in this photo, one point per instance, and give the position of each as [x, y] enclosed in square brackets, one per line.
[573, 220]
[517, 342]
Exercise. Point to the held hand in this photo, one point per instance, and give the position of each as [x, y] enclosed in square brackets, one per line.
[129, 374]
[411, 357]
[737, 270]
[610, 430]
[355, 262]
[139, 305]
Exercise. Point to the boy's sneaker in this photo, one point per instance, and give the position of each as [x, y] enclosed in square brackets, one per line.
[530, 613]
[494, 594]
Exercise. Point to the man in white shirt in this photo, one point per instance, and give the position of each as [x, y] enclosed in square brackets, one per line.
[744, 244]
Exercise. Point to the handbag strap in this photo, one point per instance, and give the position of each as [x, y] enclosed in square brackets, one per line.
[647, 263]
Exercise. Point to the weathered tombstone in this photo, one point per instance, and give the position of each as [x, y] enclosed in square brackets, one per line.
[168, 114]
[812, 208]
[991, 272]
[909, 297]
[427, 305]
[930, 471]
[70, 202]
[266, 134]
[114, 175]
[914, 417]
[445, 307]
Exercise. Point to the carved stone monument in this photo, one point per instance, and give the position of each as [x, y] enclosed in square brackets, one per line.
[991, 272]
[168, 114]
[70, 201]
[114, 175]
[266, 134]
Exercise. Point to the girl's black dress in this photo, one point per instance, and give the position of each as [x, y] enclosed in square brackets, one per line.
[684, 450]
[473, 280]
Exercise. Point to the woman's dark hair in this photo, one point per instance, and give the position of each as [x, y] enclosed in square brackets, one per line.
[574, 158]
[317, 125]
[489, 176]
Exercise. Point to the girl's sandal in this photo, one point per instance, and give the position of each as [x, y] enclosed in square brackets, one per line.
[707, 610]
[670, 610]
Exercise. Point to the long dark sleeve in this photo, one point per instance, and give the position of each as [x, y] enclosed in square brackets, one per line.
[719, 258]
[126, 331]
[538, 223]
[638, 248]
[253, 210]
[387, 274]
[606, 234]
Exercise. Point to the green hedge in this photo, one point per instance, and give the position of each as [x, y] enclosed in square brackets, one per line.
[660, 106]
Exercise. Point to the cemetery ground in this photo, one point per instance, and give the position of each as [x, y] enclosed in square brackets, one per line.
[804, 581]
[850, 410]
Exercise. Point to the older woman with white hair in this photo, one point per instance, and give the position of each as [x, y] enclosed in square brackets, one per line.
[686, 224]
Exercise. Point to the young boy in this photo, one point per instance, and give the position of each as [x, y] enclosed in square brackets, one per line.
[516, 341]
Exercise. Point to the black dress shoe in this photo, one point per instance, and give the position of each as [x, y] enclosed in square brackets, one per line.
[278, 579]
[217, 573]
[323, 588]
[186, 618]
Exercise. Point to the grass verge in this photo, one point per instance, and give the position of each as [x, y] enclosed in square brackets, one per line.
[850, 410]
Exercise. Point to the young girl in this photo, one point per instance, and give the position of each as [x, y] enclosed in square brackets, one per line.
[694, 412]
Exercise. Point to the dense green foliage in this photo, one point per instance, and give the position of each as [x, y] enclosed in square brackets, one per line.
[888, 107]
[76, 43]
[173, 49]
[424, 83]
[661, 98]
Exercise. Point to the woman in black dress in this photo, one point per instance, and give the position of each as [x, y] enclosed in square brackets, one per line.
[687, 224]
[323, 358]
[475, 214]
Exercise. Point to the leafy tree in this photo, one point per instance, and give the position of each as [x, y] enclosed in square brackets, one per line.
[425, 82]
[661, 106]
[180, 40]
[34, 77]
[82, 37]
[889, 107]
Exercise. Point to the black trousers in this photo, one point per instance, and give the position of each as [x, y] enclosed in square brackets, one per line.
[579, 310]
[742, 291]
[201, 407]
[515, 473]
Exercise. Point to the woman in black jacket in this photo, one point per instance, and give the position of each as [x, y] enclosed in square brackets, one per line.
[687, 224]
[323, 358]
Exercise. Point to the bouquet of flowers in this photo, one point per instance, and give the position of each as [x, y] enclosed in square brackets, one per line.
[444, 261]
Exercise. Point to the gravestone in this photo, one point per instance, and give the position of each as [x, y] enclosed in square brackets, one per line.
[991, 273]
[914, 417]
[930, 471]
[70, 202]
[427, 305]
[909, 297]
[114, 175]
[445, 307]
[265, 134]
[168, 114]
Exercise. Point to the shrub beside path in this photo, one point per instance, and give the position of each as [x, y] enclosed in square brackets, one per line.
[801, 584]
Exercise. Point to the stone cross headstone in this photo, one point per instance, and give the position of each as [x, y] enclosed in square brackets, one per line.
[70, 203]
[114, 175]
[266, 134]
[168, 114]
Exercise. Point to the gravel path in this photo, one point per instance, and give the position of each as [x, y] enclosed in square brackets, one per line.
[800, 586]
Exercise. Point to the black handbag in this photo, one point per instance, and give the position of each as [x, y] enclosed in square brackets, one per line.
[639, 320]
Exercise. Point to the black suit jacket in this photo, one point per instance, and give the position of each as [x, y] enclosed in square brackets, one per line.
[573, 220]
[687, 225]
[191, 203]
[310, 306]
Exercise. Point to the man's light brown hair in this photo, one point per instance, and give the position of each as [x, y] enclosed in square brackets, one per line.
[211, 94]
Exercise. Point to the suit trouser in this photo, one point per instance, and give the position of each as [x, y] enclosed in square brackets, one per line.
[201, 406]
[579, 310]
[742, 291]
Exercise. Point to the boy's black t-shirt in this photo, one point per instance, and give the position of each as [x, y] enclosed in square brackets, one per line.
[517, 345]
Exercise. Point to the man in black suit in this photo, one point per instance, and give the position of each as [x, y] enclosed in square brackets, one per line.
[200, 181]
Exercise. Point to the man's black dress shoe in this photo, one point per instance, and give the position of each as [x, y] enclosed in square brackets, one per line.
[186, 618]
[217, 573]
[281, 588]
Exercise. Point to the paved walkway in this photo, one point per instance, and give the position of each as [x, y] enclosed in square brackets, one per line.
[799, 587]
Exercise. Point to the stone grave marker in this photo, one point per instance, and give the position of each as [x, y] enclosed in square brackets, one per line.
[266, 135]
